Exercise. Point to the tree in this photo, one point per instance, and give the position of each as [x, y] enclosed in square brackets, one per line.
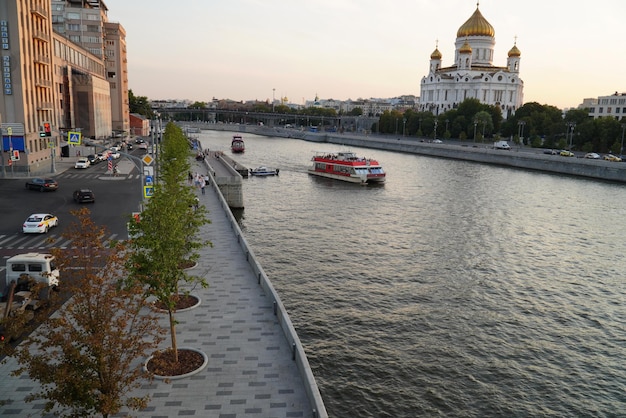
[165, 238]
[140, 105]
[85, 356]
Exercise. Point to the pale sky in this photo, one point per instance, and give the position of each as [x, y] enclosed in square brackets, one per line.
[351, 49]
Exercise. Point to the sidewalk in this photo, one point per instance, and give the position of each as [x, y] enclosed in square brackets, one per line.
[250, 370]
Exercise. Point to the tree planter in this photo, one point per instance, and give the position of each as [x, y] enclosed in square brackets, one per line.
[190, 361]
[184, 303]
[188, 265]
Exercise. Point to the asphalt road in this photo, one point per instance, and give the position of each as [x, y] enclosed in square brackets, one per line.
[116, 198]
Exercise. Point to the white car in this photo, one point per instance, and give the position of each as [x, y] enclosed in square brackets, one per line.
[592, 155]
[82, 163]
[114, 154]
[39, 223]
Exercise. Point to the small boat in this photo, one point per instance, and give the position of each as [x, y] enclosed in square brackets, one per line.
[264, 171]
[346, 166]
[237, 145]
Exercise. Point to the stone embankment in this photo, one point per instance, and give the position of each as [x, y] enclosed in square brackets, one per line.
[523, 158]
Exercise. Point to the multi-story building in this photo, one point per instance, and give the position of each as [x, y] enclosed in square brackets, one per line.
[613, 106]
[57, 78]
[473, 74]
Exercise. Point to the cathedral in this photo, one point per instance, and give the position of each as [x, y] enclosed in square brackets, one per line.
[473, 74]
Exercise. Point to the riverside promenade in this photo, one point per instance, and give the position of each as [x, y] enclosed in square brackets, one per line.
[256, 364]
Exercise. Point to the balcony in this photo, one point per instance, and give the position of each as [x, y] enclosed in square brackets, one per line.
[40, 82]
[39, 11]
[42, 59]
[42, 36]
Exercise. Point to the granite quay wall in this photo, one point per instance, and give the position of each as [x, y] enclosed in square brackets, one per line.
[524, 158]
[298, 355]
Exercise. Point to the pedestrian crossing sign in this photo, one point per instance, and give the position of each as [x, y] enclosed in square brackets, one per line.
[74, 138]
[148, 191]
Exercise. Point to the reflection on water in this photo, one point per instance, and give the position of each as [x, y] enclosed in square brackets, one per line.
[455, 289]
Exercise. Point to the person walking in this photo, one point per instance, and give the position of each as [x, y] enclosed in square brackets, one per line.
[202, 184]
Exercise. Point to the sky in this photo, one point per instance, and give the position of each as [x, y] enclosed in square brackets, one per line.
[360, 49]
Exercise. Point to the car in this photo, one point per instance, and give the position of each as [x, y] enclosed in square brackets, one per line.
[84, 196]
[101, 156]
[551, 152]
[143, 145]
[437, 141]
[39, 223]
[592, 155]
[113, 153]
[116, 148]
[566, 153]
[82, 162]
[93, 159]
[611, 157]
[42, 184]
[139, 141]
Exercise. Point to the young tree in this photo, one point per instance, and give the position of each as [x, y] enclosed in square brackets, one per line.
[86, 355]
[166, 237]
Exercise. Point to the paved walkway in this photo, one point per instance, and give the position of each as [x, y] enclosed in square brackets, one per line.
[250, 371]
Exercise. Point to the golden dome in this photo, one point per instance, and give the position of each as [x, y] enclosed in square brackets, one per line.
[476, 25]
[465, 48]
[514, 52]
[436, 55]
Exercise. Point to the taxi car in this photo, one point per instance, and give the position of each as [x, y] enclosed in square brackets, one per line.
[611, 157]
[39, 223]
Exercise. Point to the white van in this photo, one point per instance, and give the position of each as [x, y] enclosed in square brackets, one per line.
[39, 266]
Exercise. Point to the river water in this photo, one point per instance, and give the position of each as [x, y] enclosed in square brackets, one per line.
[456, 289]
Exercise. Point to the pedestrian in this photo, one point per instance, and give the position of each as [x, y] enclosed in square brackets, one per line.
[190, 178]
[202, 184]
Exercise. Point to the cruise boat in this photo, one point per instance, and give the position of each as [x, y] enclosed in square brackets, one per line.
[264, 171]
[347, 166]
[237, 145]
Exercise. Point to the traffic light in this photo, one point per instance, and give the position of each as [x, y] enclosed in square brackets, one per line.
[47, 129]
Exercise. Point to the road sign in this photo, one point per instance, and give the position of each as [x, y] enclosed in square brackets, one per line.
[74, 138]
[15, 155]
[148, 191]
[147, 159]
[149, 180]
[9, 131]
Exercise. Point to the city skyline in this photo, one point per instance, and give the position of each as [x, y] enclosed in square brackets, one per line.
[344, 49]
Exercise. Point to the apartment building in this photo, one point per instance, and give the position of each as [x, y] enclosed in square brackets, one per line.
[59, 61]
[607, 106]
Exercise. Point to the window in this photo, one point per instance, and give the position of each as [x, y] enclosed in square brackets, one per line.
[35, 267]
[18, 267]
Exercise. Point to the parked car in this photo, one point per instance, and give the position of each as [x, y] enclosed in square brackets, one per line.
[39, 223]
[437, 141]
[93, 159]
[84, 196]
[611, 157]
[42, 184]
[566, 153]
[551, 152]
[82, 162]
[592, 155]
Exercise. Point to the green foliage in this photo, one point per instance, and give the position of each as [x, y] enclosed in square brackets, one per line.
[357, 111]
[85, 356]
[140, 105]
[165, 239]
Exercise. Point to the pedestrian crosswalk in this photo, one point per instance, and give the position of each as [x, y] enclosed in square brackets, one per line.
[94, 175]
[17, 243]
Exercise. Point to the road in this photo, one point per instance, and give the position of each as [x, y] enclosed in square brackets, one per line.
[116, 198]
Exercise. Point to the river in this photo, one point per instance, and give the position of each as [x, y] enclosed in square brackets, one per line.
[456, 289]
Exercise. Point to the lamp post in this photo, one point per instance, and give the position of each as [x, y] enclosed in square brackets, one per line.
[435, 133]
[475, 124]
[621, 149]
[570, 131]
[520, 130]
[447, 125]
[273, 92]
[403, 127]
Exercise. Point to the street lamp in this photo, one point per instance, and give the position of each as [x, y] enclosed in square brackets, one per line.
[570, 130]
[520, 130]
[403, 126]
[475, 124]
[273, 93]
[435, 133]
[447, 125]
[621, 149]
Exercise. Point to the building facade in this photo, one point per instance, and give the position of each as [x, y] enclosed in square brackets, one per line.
[613, 106]
[57, 79]
[473, 74]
